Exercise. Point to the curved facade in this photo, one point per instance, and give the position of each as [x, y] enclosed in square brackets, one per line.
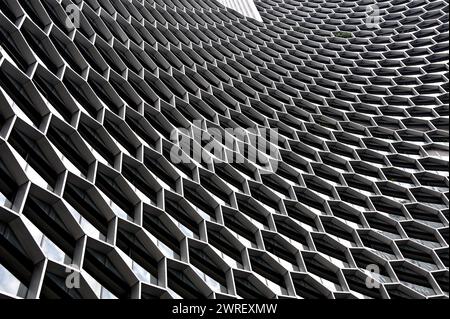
[182, 149]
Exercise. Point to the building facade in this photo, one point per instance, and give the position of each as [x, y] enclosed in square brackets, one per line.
[224, 149]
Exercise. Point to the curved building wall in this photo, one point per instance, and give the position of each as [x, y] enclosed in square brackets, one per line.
[181, 148]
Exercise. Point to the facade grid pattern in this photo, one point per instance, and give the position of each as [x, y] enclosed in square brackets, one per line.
[95, 95]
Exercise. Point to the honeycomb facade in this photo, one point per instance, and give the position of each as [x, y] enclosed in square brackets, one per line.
[96, 95]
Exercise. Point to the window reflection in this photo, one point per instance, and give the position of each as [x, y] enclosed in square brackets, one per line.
[10, 284]
[50, 249]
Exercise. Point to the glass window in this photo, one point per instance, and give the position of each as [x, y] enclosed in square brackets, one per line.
[10, 284]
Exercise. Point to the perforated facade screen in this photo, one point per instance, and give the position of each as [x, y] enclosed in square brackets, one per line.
[205, 149]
